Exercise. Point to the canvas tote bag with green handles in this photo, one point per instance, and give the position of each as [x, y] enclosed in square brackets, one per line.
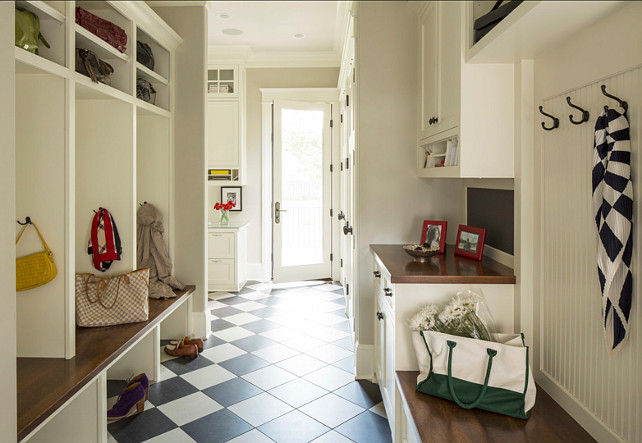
[494, 376]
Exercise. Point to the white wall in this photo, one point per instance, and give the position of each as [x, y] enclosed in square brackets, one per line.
[392, 201]
[7, 223]
[256, 79]
[190, 217]
[604, 394]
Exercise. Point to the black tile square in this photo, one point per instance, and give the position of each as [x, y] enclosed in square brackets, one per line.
[212, 341]
[234, 300]
[225, 312]
[220, 426]
[266, 312]
[366, 427]
[244, 364]
[345, 343]
[140, 427]
[115, 387]
[361, 392]
[260, 325]
[220, 324]
[232, 391]
[253, 343]
[169, 390]
[180, 366]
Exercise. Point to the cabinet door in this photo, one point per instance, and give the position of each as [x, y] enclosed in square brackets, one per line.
[221, 272]
[428, 69]
[221, 245]
[379, 340]
[223, 135]
[449, 65]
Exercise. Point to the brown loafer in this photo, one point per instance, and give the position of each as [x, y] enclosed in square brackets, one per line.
[190, 341]
[180, 350]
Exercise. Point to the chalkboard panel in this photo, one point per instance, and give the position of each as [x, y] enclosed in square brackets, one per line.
[493, 209]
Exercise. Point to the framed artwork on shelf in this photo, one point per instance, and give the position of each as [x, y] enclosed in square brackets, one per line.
[233, 194]
[434, 233]
[470, 242]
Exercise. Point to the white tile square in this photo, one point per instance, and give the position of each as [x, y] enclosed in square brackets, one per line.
[328, 334]
[269, 377]
[209, 376]
[332, 319]
[233, 333]
[189, 408]
[176, 435]
[301, 364]
[280, 334]
[254, 436]
[330, 378]
[249, 306]
[332, 437]
[241, 319]
[329, 353]
[256, 295]
[165, 373]
[275, 353]
[331, 410]
[222, 352]
[283, 319]
[260, 409]
[213, 304]
[260, 286]
[379, 409]
[303, 343]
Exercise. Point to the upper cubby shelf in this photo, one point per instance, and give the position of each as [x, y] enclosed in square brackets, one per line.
[87, 40]
[42, 10]
[533, 27]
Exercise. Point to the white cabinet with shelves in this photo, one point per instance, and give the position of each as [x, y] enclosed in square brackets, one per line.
[227, 257]
[223, 81]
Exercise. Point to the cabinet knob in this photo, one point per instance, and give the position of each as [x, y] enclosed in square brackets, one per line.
[387, 292]
[436, 120]
[377, 274]
[379, 316]
[347, 230]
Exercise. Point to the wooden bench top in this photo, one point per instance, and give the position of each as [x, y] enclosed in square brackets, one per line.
[45, 384]
[439, 420]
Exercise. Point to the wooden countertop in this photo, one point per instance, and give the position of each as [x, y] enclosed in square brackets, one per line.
[439, 420]
[45, 384]
[445, 268]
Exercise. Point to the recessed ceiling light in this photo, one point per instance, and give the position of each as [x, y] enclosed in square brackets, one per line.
[298, 35]
[232, 31]
[224, 16]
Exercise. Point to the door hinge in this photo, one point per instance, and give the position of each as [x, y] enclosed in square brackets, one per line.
[347, 289]
[341, 118]
[330, 212]
[347, 162]
[342, 166]
[331, 168]
[347, 100]
[331, 123]
[354, 75]
[331, 256]
[341, 263]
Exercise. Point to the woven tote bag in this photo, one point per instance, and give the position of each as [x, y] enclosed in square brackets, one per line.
[36, 269]
[113, 300]
[490, 375]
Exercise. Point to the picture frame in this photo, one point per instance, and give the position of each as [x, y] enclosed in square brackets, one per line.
[434, 233]
[470, 242]
[233, 193]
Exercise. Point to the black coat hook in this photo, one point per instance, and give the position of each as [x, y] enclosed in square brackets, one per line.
[144, 203]
[585, 114]
[622, 103]
[556, 121]
[27, 221]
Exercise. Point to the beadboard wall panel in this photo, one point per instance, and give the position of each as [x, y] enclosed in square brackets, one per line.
[572, 349]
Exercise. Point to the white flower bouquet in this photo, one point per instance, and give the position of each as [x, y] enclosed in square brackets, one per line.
[466, 315]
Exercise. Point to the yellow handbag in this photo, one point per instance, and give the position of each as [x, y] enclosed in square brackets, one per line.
[36, 269]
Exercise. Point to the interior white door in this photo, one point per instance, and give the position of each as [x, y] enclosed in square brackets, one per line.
[301, 191]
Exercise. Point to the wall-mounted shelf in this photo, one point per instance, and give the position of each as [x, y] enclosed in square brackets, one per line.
[28, 63]
[42, 10]
[86, 89]
[534, 27]
[145, 108]
[150, 75]
[87, 40]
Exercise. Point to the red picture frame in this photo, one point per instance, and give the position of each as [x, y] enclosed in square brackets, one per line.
[431, 229]
[470, 242]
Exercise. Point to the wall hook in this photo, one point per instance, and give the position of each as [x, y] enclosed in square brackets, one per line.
[556, 121]
[585, 114]
[27, 221]
[622, 103]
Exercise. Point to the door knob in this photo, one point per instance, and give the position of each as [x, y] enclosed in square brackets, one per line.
[347, 230]
[277, 212]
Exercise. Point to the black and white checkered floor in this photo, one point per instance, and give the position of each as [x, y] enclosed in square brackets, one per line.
[277, 367]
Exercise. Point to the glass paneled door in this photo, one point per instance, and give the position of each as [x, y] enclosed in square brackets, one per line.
[302, 191]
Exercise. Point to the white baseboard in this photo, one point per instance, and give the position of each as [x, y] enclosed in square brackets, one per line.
[364, 359]
[201, 324]
[256, 272]
[592, 424]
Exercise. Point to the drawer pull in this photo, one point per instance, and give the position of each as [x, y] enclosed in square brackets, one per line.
[387, 292]
[379, 315]
[377, 274]
[216, 235]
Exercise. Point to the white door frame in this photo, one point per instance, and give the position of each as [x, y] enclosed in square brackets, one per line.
[268, 95]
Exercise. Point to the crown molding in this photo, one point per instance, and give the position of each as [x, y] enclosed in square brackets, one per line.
[272, 59]
[162, 3]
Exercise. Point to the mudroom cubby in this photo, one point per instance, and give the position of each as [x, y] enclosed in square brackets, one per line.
[80, 146]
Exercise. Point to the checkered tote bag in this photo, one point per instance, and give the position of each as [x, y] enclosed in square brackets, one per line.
[112, 301]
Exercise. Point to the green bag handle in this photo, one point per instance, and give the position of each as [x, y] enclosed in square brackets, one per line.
[491, 353]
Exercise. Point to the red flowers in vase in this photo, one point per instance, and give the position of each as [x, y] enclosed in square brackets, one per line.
[226, 207]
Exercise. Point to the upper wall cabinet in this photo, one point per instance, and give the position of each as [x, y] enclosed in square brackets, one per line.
[226, 125]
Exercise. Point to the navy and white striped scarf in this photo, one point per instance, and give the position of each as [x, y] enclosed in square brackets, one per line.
[613, 208]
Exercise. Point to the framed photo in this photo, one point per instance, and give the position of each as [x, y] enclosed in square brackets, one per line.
[233, 194]
[470, 242]
[434, 233]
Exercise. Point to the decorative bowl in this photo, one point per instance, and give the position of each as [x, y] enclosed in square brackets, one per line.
[419, 252]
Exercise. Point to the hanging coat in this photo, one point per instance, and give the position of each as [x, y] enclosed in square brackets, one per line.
[152, 253]
[613, 209]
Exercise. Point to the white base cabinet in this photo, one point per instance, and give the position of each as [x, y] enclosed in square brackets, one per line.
[227, 257]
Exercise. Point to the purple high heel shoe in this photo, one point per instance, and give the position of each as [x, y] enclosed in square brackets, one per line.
[143, 380]
[132, 396]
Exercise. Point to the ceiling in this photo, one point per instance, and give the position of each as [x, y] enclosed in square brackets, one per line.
[269, 26]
